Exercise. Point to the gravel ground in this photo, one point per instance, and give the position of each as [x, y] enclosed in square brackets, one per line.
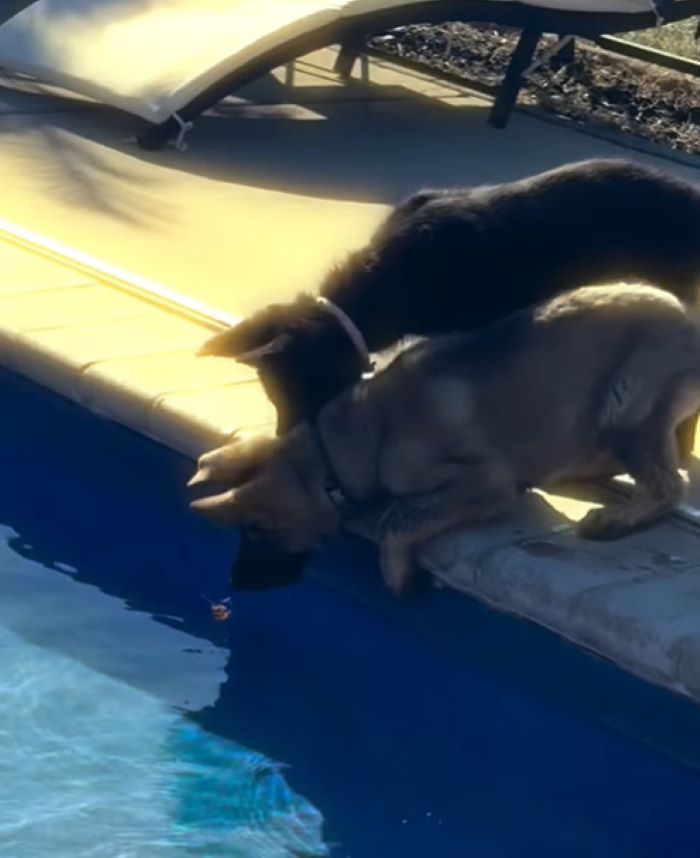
[598, 88]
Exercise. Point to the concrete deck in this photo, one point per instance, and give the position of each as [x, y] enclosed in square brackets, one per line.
[314, 166]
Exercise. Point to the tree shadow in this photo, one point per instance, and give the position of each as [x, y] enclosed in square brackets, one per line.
[357, 142]
[41, 135]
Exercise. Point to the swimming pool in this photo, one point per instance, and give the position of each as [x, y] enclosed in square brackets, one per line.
[325, 718]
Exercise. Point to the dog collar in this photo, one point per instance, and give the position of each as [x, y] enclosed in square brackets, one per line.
[350, 328]
[346, 323]
[331, 484]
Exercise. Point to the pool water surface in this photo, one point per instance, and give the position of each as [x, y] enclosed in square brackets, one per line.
[323, 719]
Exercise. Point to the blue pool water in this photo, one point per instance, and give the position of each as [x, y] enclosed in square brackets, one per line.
[323, 719]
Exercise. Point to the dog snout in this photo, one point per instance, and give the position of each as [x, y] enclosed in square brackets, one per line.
[262, 564]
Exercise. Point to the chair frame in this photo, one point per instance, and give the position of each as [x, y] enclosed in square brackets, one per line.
[352, 33]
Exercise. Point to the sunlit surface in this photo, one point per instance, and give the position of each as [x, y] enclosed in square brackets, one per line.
[183, 46]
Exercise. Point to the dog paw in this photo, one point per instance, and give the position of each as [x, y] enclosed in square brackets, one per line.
[603, 524]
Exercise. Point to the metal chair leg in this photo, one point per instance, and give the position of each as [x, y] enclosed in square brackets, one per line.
[509, 89]
[566, 55]
[345, 61]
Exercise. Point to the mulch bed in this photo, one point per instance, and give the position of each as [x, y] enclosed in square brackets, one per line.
[597, 88]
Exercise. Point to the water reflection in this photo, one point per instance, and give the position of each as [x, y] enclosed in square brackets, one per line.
[101, 755]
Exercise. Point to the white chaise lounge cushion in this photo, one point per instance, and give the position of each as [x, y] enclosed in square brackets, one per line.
[151, 58]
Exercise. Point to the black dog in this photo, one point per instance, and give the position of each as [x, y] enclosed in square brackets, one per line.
[457, 259]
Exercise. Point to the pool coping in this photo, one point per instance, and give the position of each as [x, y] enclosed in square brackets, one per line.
[38, 346]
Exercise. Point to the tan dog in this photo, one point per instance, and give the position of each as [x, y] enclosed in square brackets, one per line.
[592, 382]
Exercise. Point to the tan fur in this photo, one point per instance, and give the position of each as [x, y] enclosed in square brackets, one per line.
[594, 382]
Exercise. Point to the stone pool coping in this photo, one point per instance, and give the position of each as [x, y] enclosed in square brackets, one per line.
[124, 348]
[120, 345]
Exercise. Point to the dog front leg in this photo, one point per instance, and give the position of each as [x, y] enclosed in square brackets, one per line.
[477, 491]
[650, 455]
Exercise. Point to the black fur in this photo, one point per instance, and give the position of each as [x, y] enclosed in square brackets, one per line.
[457, 259]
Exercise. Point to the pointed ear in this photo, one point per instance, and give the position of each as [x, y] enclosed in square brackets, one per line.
[220, 509]
[260, 330]
[235, 463]
[225, 345]
[257, 357]
[231, 342]
[254, 333]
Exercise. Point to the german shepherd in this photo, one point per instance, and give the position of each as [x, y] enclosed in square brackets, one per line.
[587, 384]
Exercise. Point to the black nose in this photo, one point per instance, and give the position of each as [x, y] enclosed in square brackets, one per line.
[262, 565]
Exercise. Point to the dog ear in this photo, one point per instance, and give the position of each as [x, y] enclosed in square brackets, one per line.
[257, 357]
[241, 343]
[264, 333]
[238, 506]
[230, 344]
[235, 463]
[220, 509]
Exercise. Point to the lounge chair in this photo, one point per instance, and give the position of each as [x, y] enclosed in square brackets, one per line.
[167, 62]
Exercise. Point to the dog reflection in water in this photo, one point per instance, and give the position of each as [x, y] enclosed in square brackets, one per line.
[261, 564]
